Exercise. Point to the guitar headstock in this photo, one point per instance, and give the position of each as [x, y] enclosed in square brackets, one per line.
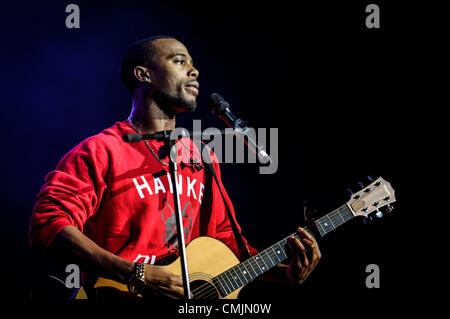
[371, 198]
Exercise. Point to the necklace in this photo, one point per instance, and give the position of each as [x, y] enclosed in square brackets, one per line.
[146, 143]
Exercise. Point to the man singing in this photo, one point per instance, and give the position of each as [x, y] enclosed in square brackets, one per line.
[109, 204]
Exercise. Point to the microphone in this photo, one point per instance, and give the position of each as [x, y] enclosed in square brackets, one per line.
[159, 136]
[221, 108]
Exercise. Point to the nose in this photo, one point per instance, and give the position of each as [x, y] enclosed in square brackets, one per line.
[193, 72]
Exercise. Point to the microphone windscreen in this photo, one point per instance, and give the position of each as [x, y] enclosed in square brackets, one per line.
[217, 103]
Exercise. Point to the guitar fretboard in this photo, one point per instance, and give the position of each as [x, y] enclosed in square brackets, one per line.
[333, 220]
[246, 271]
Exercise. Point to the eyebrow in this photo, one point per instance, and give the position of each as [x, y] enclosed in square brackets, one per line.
[180, 54]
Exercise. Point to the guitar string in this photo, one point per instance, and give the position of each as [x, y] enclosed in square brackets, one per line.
[209, 291]
[206, 286]
[252, 261]
[210, 287]
[202, 288]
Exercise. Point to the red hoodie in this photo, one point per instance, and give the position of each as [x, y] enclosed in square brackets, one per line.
[121, 197]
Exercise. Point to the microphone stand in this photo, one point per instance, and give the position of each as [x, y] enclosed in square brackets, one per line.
[169, 142]
[173, 170]
[240, 131]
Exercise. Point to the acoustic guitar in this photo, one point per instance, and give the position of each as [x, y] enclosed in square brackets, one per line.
[216, 273]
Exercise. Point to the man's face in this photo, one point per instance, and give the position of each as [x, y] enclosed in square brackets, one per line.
[173, 76]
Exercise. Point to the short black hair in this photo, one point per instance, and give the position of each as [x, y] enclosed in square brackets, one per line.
[138, 53]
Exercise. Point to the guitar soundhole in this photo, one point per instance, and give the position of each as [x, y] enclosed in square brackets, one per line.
[202, 289]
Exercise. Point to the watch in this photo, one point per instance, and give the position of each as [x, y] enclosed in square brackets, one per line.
[136, 283]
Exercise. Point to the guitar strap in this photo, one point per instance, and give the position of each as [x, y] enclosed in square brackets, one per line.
[209, 169]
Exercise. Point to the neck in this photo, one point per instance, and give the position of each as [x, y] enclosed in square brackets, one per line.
[258, 264]
[149, 117]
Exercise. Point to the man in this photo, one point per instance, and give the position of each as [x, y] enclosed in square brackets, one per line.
[110, 203]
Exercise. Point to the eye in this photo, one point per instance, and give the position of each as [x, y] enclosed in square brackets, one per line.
[180, 61]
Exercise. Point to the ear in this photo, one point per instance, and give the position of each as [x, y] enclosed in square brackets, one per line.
[142, 74]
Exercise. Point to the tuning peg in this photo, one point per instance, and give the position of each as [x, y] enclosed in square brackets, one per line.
[389, 208]
[361, 184]
[378, 214]
[367, 220]
[369, 177]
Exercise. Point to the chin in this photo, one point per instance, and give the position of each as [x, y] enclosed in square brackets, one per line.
[189, 104]
[190, 108]
[186, 106]
[174, 104]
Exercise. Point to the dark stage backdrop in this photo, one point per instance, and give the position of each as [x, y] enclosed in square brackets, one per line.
[339, 93]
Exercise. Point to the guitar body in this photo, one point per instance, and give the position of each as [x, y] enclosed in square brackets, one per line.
[206, 257]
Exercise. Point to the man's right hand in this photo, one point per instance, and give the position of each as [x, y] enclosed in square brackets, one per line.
[72, 242]
[161, 282]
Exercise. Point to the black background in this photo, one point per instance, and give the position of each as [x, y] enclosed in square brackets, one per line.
[343, 97]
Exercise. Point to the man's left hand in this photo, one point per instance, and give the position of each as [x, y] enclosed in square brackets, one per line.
[305, 256]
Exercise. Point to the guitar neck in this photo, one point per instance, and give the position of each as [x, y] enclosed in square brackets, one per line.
[333, 220]
[246, 271]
